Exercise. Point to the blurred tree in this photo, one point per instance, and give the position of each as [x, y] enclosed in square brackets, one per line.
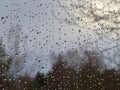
[40, 81]
[24, 83]
[61, 78]
[111, 79]
[5, 63]
[87, 77]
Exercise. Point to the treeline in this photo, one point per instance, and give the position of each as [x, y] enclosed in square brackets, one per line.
[87, 77]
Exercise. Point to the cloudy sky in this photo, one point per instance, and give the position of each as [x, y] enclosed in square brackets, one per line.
[43, 30]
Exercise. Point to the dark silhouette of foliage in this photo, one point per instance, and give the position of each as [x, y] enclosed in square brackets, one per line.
[5, 63]
[87, 77]
[40, 81]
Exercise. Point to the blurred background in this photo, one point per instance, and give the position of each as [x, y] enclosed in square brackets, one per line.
[59, 45]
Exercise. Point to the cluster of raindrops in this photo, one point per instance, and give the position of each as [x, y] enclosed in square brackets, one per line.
[59, 44]
[31, 32]
[100, 16]
[25, 34]
[101, 21]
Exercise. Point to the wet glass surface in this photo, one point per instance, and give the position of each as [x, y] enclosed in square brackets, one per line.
[59, 45]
